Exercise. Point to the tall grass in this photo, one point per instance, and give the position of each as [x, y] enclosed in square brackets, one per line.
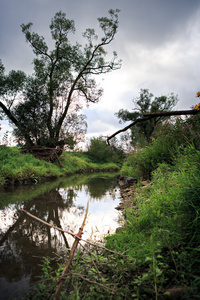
[162, 227]
[160, 242]
[168, 139]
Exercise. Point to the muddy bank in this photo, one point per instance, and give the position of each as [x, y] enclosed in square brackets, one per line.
[127, 187]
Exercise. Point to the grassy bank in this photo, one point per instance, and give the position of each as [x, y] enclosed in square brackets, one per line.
[159, 244]
[16, 167]
[160, 241]
[161, 236]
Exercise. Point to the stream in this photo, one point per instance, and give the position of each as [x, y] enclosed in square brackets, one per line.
[24, 242]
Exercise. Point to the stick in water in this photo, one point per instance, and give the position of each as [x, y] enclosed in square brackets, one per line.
[71, 254]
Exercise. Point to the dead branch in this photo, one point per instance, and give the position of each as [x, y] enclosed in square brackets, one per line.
[77, 237]
[47, 224]
[172, 113]
[92, 281]
[72, 234]
[149, 116]
[78, 275]
[128, 127]
[71, 255]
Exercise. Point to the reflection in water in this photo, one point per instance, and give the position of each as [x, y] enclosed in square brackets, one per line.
[24, 241]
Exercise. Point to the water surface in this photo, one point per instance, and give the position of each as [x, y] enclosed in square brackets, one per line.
[24, 241]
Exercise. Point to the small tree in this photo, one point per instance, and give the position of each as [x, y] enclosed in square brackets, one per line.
[99, 151]
[62, 79]
[146, 103]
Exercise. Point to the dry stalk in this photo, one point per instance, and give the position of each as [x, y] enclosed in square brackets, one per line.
[77, 237]
[71, 255]
[72, 234]
[93, 282]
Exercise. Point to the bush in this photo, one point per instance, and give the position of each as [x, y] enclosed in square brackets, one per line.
[179, 132]
[167, 140]
[162, 229]
[100, 152]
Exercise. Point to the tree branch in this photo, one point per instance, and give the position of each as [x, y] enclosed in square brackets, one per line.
[14, 121]
[149, 116]
[171, 113]
[71, 255]
[9, 114]
[128, 127]
[72, 234]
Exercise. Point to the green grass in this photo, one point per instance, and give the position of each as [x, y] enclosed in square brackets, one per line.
[160, 239]
[160, 242]
[16, 167]
[167, 141]
[162, 228]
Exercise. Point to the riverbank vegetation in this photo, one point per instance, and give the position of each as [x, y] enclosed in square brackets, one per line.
[16, 167]
[159, 241]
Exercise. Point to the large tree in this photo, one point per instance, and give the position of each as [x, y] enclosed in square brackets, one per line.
[146, 103]
[62, 81]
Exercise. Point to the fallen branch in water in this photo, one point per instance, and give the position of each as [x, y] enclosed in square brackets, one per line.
[78, 237]
[72, 234]
[71, 255]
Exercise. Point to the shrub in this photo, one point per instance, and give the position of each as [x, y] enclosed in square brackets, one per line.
[167, 140]
[162, 229]
[100, 152]
[179, 131]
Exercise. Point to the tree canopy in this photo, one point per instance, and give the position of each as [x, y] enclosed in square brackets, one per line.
[145, 103]
[45, 108]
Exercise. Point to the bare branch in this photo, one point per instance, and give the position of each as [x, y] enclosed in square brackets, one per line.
[128, 127]
[171, 113]
[71, 255]
[148, 116]
[72, 234]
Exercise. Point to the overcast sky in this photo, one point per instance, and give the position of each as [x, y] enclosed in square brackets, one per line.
[157, 40]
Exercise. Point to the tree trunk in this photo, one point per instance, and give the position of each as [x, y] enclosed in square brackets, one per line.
[172, 113]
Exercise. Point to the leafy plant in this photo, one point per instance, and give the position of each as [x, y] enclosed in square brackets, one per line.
[100, 152]
[168, 139]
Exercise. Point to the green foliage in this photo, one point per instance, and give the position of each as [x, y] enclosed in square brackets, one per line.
[146, 103]
[160, 239]
[168, 139]
[16, 167]
[161, 231]
[179, 131]
[100, 152]
[11, 84]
